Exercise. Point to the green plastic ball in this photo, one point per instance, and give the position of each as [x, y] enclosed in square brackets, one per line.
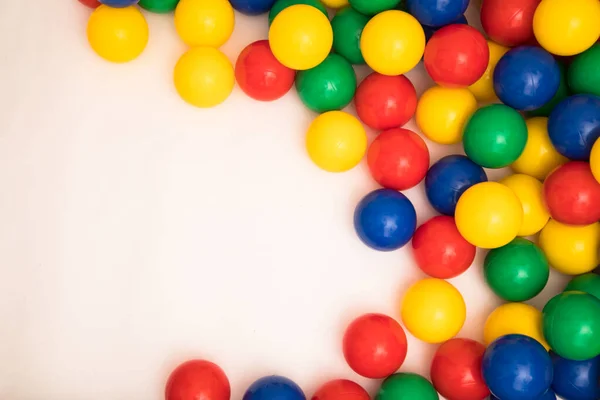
[348, 25]
[159, 6]
[571, 325]
[588, 283]
[328, 86]
[372, 7]
[560, 95]
[406, 386]
[280, 5]
[495, 136]
[516, 272]
[584, 72]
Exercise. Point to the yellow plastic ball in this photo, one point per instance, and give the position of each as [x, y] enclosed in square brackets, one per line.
[301, 37]
[489, 215]
[530, 192]
[483, 89]
[392, 42]
[204, 77]
[336, 141]
[567, 27]
[117, 34]
[595, 160]
[519, 318]
[442, 113]
[571, 249]
[335, 3]
[204, 22]
[433, 310]
[539, 157]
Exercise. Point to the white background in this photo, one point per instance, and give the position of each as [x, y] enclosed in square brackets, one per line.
[137, 231]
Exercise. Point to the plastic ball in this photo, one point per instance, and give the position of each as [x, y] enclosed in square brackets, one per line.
[595, 160]
[117, 34]
[274, 387]
[392, 42]
[483, 89]
[398, 159]
[336, 141]
[348, 25]
[584, 74]
[301, 37]
[518, 271]
[549, 395]
[572, 194]
[567, 27]
[341, 389]
[495, 136]
[572, 250]
[385, 102]
[90, 3]
[539, 157]
[437, 13]
[119, 3]
[514, 318]
[372, 7]
[561, 93]
[571, 324]
[529, 191]
[335, 4]
[281, 5]
[456, 370]
[456, 55]
[260, 75]
[442, 113]
[252, 7]
[439, 249]
[159, 6]
[574, 126]
[433, 310]
[204, 77]
[509, 22]
[587, 283]
[576, 380]
[430, 30]
[489, 215]
[374, 346]
[204, 22]
[406, 386]
[526, 78]
[198, 379]
[448, 179]
[328, 86]
[517, 367]
[385, 220]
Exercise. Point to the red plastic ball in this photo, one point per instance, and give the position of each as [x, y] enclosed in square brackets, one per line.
[456, 370]
[572, 194]
[385, 102]
[341, 389]
[260, 75]
[374, 346]
[440, 250]
[398, 159]
[456, 55]
[509, 22]
[90, 3]
[198, 379]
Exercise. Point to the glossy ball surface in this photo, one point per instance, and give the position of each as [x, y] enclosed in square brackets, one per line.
[437, 13]
[595, 160]
[588, 283]
[341, 389]
[561, 94]
[570, 249]
[204, 22]
[406, 386]
[374, 346]
[198, 379]
[514, 318]
[385, 220]
[274, 387]
[530, 192]
[91, 3]
[372, 7]
[448, 179]
[159, 6]
[576, 380]
[252, 7]
[509, 22]
[584, 74]
[348, 25]
[119, 3]
[483, 89]
[281, 5]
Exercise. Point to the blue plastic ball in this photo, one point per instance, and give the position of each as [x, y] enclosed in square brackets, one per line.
[385, 219]
[274, 387]
[574, 126]
[430, 30]
[448, 179]
[549, 395]
[526, 78]
[119, 3]
[576, 380]
[517, 367]
[436, 13]
[252, 7]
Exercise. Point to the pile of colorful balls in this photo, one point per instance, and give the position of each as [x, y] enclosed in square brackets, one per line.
[528, 98]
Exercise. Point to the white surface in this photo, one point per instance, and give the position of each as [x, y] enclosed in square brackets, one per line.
[137, 232]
